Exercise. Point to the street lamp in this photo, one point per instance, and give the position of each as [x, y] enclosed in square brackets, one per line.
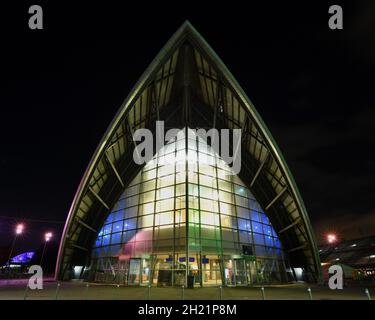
[18, 231]
[47, 238]
[331, 238]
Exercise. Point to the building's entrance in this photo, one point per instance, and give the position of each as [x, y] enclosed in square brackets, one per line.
[239, 272]
[211, 271]
[251, 272]
[139, 271]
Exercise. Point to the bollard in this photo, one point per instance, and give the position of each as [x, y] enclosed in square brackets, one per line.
[368, 294]
[86, 291]
[57, 290]
[149, 292]
[310, 293]
[221, 292]
[183, 293]
[263, 293]
[26, 291]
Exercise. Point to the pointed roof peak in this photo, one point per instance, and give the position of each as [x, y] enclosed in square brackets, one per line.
[187, 26]
[187, 29]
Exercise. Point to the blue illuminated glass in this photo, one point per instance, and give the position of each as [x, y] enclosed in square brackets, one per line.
[258, 238]
[110, 218]
[267, 230]
[277, 243]
[117, 226]
[244, 224]
[269, 241]
[107, 229]
[130, 224]
[254, 205]
[118, 215]
[116, 238]
[255, 216]
[98, 242]
[105, 241]
[23, 257]
[265, 219]
[257, 227]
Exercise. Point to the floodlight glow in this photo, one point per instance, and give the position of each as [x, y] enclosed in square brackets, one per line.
[19, 228]
[331, 238]
[48, 236]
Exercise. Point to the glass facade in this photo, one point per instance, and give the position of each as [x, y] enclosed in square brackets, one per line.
[186, 216]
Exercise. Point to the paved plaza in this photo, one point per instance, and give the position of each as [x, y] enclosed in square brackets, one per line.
[16, 290]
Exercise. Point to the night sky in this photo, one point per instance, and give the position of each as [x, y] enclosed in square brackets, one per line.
[61, 87]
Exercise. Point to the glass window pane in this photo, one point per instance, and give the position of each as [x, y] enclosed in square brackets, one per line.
[226, 196]
[116, 238]
[164, 218]
[106, 239]
[244, 224]
[146, 221]
[131, 212]
[210, 218]
[269, 241]
[130, 224]
[265, 219]
[166, 181]
[117, 226]
[209, 205]
[258, 238]
[107, 229]
[164, 205]
[243, 212]
[165, 193]
[255, 216]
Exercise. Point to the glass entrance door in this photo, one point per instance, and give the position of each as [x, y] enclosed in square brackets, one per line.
[134, 272]
[211, 271]
[236, 272]
[146, 272]
[251, 271]
[240, 272]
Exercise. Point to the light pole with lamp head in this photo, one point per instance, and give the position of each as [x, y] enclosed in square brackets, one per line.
[47, 238]
[18, 231]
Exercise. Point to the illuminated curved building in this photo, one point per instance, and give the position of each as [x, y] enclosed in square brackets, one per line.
[184, 215]
[23, 258]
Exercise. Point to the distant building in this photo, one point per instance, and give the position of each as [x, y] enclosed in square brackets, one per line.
[23, 258]
[357, 256]
[166, 224]
[19, 263]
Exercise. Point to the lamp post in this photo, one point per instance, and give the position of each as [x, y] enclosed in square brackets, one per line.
[18, 231]
[47, 238]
